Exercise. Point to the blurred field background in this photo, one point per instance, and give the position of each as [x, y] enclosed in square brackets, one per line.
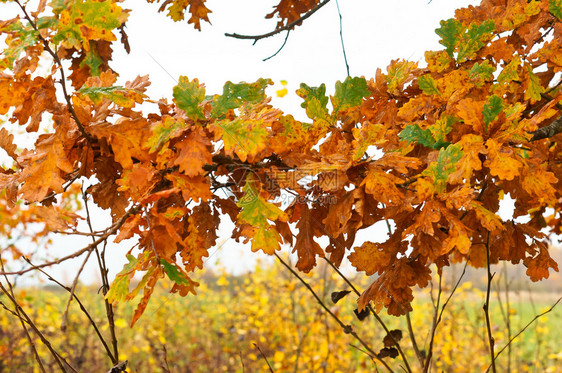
[242, 323]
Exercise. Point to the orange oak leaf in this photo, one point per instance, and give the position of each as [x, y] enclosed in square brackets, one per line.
[502, 161]
[339, 214]
[39, 97]
[193, 153]
[56, 218]
[7, 143]
[393, 288]
[457, 237]
[537, 267]
[371, 257]
[305, 246]
[291, 10]
[426, 219]
[539, 182]
[470, 112]
[138, 181]
[194, 245]
[458, 198]
[383, 186]
[472, 146]
[45, 172]
[487, 218]
[197, 188]
[126, 139]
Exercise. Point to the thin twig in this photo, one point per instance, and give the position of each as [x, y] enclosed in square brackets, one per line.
[487, 305]
[341, 38]
[363, 351]
[111, 230]
[264, 357]
[434, 325]
[82, 307]
[374, 313]
[103, 273]
[346, 328]
[61, 362]
[522, 330]
[419, 355]
[24, 327]
[72, 290]
[454, 289]
[287, 27]
[279, 50]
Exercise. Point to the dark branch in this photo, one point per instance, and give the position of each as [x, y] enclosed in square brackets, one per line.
[279, 50]
[287, 27]
[552, 129]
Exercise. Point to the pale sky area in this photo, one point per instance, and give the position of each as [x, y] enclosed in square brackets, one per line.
[374, 33]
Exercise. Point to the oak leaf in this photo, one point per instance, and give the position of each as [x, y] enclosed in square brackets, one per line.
[502, 161]
[45, 172]
[188, 95]
[85, 20]
[306, 248]
[537, 267]
[371, 257]
[193, 152]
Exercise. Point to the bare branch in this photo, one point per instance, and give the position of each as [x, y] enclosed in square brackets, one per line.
[279, 50]
[264, 357]
[525, 328]
[341, 38]
[486, 306]
[374, 313]
[287, 27]
[112, 230]
[552, 129]
[82, 307]
[348, 329]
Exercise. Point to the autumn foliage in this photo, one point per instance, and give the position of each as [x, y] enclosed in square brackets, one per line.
[432, 150]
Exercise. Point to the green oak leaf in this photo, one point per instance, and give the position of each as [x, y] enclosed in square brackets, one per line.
[93, 61]
[481, 73]
[256, 211]
[349, 93]
[164, 131]
[119, 95]
[235, 95]
[243, 137]
[428, 85]
[440, 170]
[85, 20]
[174, 273]
[450, 33]
[315, 101]
[25, 37]
[555, 7]
[492, 108]
[188, 95]
[534, 89]
[509, 73]
[120, 286]
[475, 38]
[413, 133]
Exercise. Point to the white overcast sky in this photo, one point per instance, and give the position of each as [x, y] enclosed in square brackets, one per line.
[374, 33]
